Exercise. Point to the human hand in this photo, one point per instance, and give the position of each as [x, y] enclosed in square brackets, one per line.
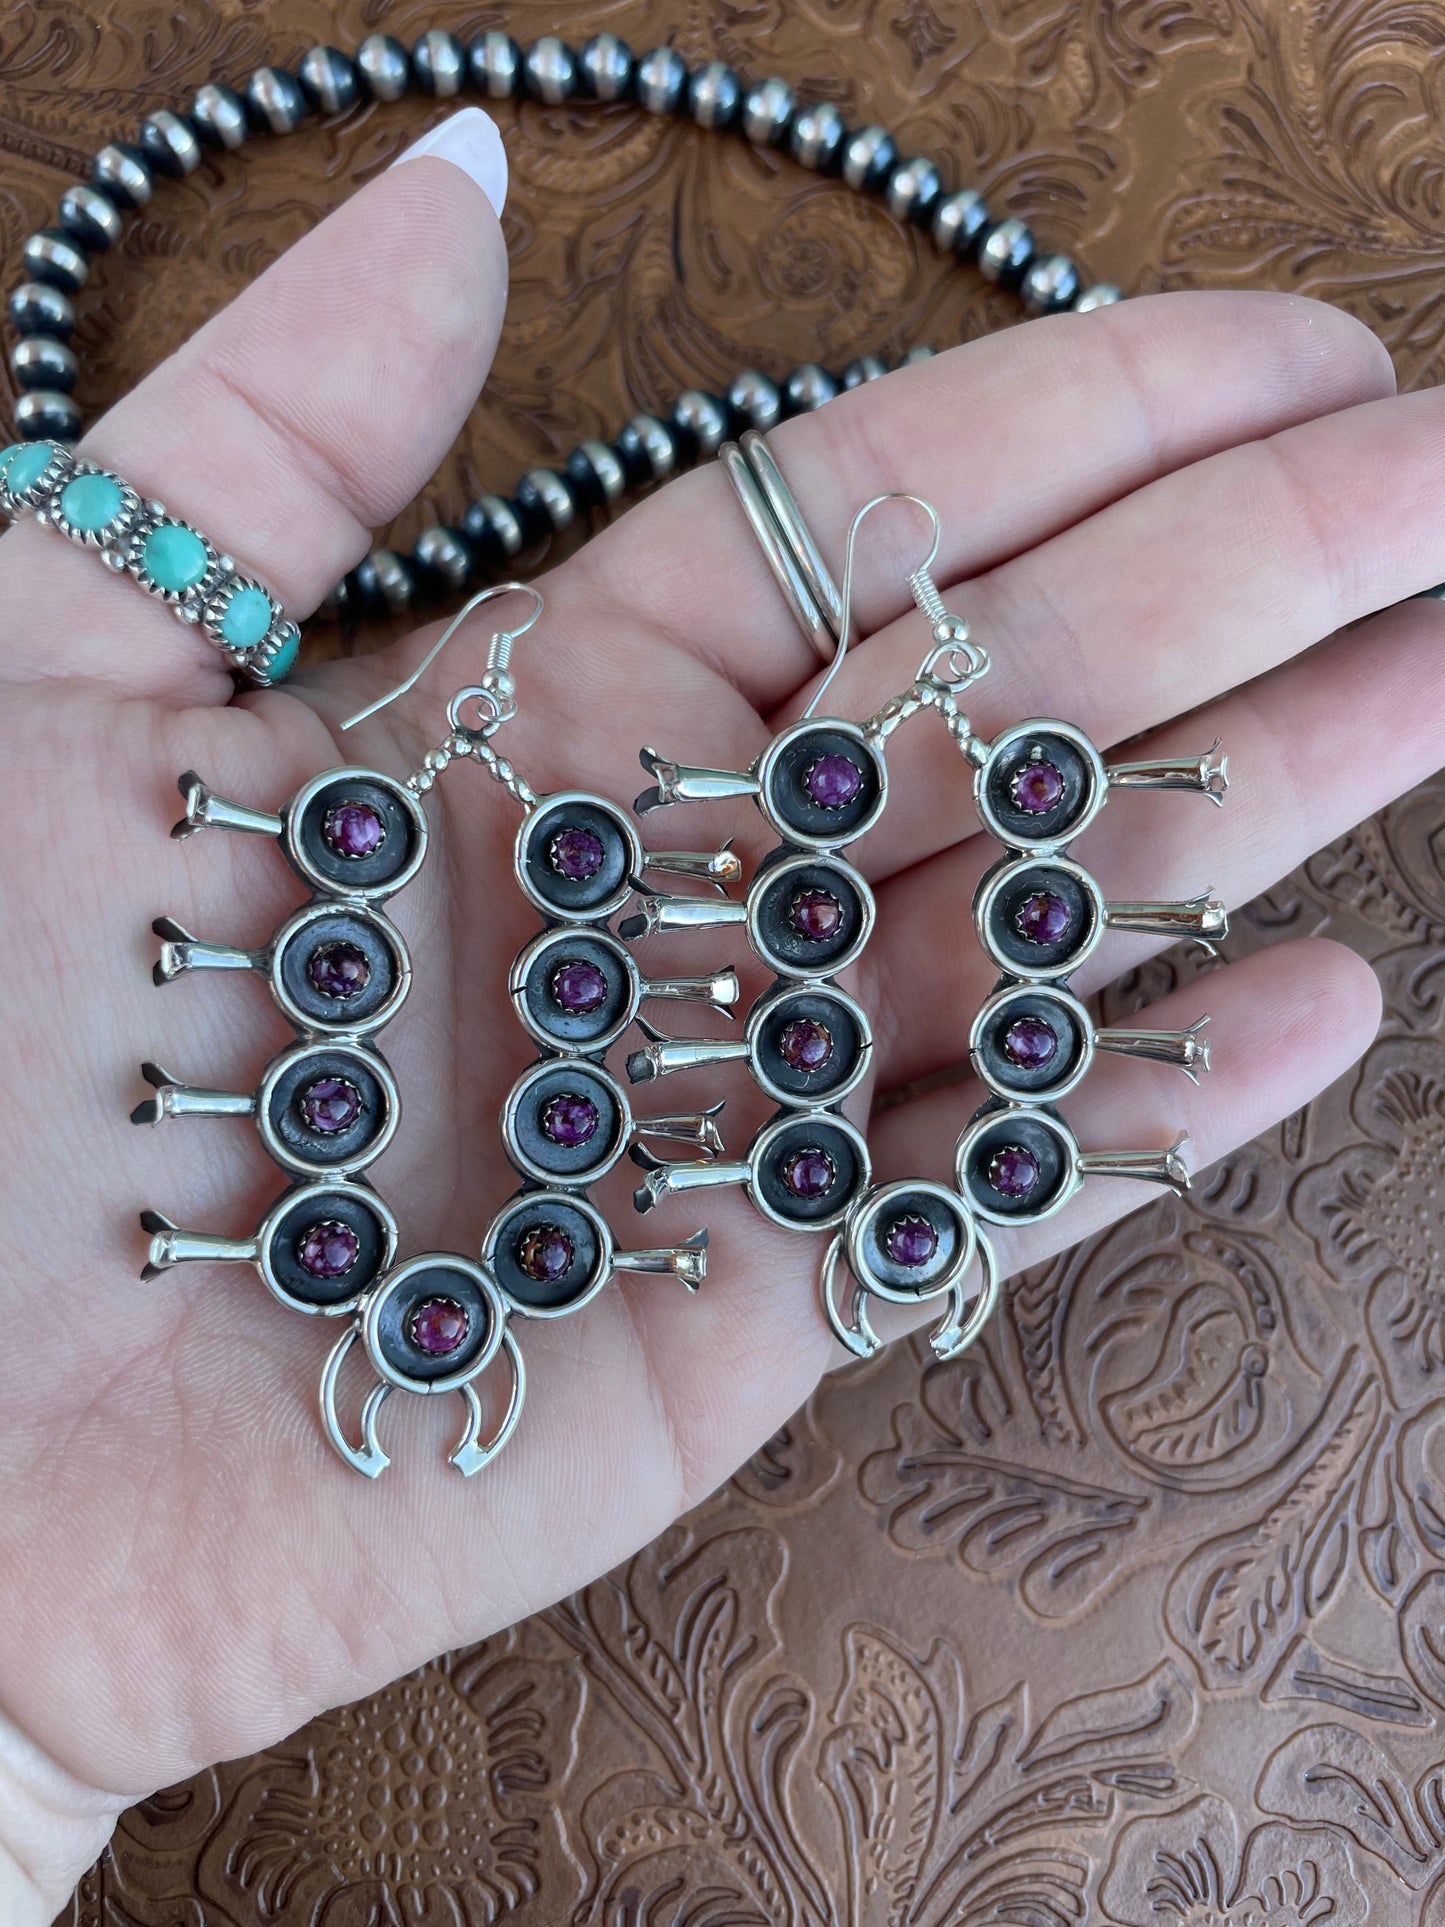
[1154, 514]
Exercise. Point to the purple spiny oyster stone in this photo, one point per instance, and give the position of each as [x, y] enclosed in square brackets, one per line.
[569, 1119]
[546, 1253]
[1031, 1043]
[1038, 787]
[576, 853]
[816, 915]
[353, 830]
[910, 1241]
[327, 1249]
[339, 970]
[1013, 1171]
[330, 1104]
[579, 987]
[808, 1173]
[1043, 918]
[832, 781]
[806, 1045]
[438, 1326]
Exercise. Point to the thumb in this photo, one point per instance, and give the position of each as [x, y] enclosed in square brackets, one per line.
[313, 407]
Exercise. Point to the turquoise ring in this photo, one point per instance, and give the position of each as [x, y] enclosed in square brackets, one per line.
[167, 557]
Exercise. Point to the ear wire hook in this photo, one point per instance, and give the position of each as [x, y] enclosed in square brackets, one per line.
[965, 659]
[496, 692]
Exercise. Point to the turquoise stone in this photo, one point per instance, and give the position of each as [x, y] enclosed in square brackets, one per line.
[247, 618]
[174, 557]
[284, 661]
[91, 502]
[25, 463]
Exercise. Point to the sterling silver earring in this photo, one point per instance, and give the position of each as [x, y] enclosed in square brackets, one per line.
[821, 784]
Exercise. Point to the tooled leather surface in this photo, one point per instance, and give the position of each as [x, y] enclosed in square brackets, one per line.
[1137, 1614]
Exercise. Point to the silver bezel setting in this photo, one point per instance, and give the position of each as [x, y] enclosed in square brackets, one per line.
[1021, 993]
[989, 1121]
[764, 1142]
[190, 602]
[1004, 876]
[287, 1203]
[32, 498]
[548, 1067]
[295, 814]
[1078, 741]
[313, 913]
[834, 965]
[386, 1288]
[213, 612]
[872, 1206]
[767, 763]
[114, 532]
[636, 857]
[374, 1065]
[604, 1270]
[557, 939]
[763, 1009]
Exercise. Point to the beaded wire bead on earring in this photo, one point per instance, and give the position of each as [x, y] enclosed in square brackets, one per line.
[339, 970]
[820, 784]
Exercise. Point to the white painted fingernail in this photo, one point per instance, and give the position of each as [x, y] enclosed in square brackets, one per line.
[471, 141]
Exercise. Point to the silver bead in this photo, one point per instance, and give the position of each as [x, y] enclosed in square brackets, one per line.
[808, 387]
[502, 523]
[221, 114]
[661, 80]
[393, 579]
[442, 551]
[277, 99]
[93, 214]
[38, 309]
[40, 361]
[757, 399]
[611, 476]
[714, 95]
[912, 189]
[914, 355]
[767, 110]
[700, 416]
[1103, 294]
[329, 78]
[553, 496]
[1049, 284]
[1005, 251]
[439, 62]
[46, 414]
[53, 257]
[551, 70]
[958, 220]
[868, 157]
[383, 65]
[818, 133]
[169, 143]
[496, 63]
[606, 63]
[865, 368]
[656, 444]
[121, 175]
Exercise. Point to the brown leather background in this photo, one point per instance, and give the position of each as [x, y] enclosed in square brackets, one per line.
[1137, 1615]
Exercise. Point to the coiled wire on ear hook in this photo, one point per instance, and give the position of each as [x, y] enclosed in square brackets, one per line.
[496, 693]
[954, 659]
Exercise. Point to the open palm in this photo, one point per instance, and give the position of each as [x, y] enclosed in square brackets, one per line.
[1154, 515]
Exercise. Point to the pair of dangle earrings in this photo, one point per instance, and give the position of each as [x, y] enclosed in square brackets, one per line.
[821, 784]
[326, 1108]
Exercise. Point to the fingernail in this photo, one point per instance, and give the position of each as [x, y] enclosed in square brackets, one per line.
[471, 141]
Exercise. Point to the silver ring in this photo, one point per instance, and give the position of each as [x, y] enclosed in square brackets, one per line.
[787, 542]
